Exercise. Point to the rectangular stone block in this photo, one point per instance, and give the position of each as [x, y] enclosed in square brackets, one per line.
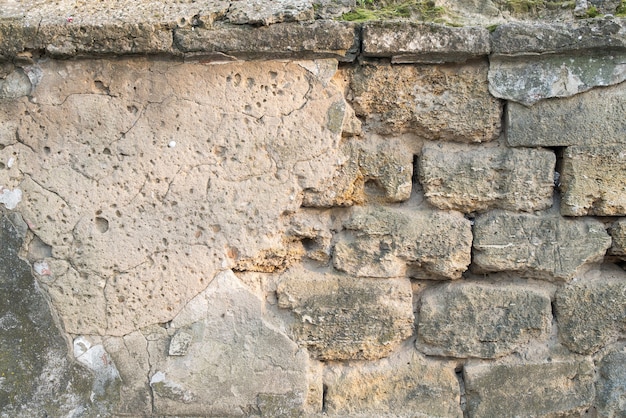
[611, 385]
[591, 312]
[389, 242]
[595, 117]
[593, 181]
[541, 246]
[340, 318]
[409, 42]
[450, 103]
[481, 320]
[470, 179]
[405, 384]
[618, 234]
[545, 389]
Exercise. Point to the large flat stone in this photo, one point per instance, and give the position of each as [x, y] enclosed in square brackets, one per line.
[343, 318]
[470, 179]
[611, 385]
[542, 246]
[618, 234]
[593, 181]
[409, 42]
[595, 117]
[405, 384]
[390, 242]
[481, 320]
[450, 103]
[591, 312]
[556, 388]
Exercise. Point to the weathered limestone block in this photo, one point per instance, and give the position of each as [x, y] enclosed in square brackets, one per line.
[593, 181]
[267, 12]
[450, 103]
[370, 172]
[611, 385]
[386, 242]
[14, 85]
[556, 388]
[618, 234]
[168, 173]
[409, 42]
[591, 312]
[343, 318]
[469, 179]
[542, 246]
[235, 361]
[481, 319]
[595, 117]
[405, 384]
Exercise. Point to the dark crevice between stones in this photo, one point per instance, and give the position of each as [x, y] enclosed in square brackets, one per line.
[324, 399]
[462, 398]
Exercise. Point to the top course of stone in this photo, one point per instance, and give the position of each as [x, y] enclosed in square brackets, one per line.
[403, 30]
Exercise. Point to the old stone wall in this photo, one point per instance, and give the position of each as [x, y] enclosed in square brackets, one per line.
[265, 212]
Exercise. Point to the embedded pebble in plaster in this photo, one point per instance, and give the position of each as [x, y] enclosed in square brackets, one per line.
[10, 198]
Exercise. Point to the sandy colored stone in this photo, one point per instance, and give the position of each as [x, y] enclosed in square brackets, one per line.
[394, 242]
[595, 117]
[611, 385]
[267, 12]
[544, 246]
[173, 176]
[236, 361]
[404, 384]
[343, 318]
[562, 387]
[481, 319]
[471, 179]
[449, 103]
[591, 312]
[593, 181]
[618, 234]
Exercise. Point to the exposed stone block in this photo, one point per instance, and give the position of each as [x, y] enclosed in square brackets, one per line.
[591, 312]
[450, 103]
[267, 12]
[611, 385]
[386, 242]
[343, 318]
[618, 234]
[595, 117]
[481, 320]
[543, 246]
[470, 179]
[593, 181]
[555, 388]
[406, 384]
[409, 42]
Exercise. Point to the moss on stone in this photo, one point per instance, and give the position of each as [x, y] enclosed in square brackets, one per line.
[425, 10]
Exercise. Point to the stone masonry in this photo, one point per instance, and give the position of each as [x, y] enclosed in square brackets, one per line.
[215, 208]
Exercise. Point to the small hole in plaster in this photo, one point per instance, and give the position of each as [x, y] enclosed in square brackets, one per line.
[46, 150]
[106, 151]
[102, 225]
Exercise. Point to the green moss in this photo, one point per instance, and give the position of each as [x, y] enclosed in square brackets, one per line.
[593, 12]
[621, 9]
[425, 10]
[492, 28]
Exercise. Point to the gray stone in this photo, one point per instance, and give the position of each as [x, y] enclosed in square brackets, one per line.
[409, 42]
[320, 39]
[481, 320]
[543, 246]
[593, 181]
[591, 312]
[611, 385]
[340, 318]
[330, 9]
[14, 85]
[406, 384]
[450, 103]
[267, 12]
[471, 179]
[394, 242]
[547, 389]
[618, 234]
[595, 117]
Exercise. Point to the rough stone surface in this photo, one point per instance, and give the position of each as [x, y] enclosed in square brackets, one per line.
[471, 179]
[595, 117]
[379, 313]
[591, 312]
[555, 388]
[482, 320]
[611, 385]
[450, 103]
[36, 376]
[163, 174]
[267, 12]
[14, 85]
[235, 356]
[544, 246]
[390, 242]
[593, 181]
[406, 383]
[408, 42]
[618, 234]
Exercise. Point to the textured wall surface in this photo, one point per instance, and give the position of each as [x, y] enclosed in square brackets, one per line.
[287, 216]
